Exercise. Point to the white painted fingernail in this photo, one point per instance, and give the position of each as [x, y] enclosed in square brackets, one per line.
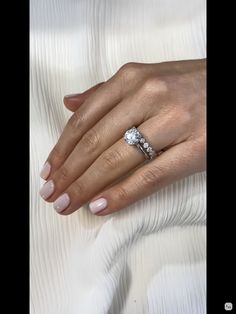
[45, 170]
[98, 205]
[61, 202]
[47, 189]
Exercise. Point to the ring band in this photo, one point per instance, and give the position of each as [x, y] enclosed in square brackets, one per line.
[134, 137]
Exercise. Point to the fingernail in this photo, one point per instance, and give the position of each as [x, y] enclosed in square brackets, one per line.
[45, 170]
[61, 202]
[47, 189]
[98, 205]
[71, 96]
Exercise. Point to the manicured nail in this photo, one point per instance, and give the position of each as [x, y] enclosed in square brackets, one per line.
[47, 189]
[61, 203]
[45, 170]
[98, 205]
[71, 96]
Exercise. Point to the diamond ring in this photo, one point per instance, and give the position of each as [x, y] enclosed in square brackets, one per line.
[134, 137]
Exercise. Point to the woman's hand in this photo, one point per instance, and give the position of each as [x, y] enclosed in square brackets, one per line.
[92, 162]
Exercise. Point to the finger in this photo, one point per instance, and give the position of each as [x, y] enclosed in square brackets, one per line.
[91, 111]
[108, 167]
[176, 163]
[74, 101]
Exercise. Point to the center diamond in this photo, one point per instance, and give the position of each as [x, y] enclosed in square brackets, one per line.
[132, 136]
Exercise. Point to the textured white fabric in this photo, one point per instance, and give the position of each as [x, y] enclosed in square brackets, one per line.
[150, 257]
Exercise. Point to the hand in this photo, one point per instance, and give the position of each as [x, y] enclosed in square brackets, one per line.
[92, 162]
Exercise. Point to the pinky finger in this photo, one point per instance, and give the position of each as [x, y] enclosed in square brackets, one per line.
[74, 101]
[174, 164]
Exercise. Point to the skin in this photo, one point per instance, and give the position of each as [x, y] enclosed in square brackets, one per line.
[91, 160]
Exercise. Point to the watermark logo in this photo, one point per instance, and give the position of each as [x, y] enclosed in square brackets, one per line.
[228, 306]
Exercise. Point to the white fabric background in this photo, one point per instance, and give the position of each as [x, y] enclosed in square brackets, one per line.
[149, 258]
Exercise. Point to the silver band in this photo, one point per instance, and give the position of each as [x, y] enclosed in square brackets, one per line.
[134, 137]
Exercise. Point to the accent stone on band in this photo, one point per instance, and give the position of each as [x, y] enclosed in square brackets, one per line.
[134, 137]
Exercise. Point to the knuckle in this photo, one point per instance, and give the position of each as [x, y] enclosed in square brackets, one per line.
[154, 86]
[90, 141]
[152, 177]
[129, 70]
[77, 190]
[56, 155]
[76, 120]
[64, 173]
[182, 114]
[121, 194]
[111, 159]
